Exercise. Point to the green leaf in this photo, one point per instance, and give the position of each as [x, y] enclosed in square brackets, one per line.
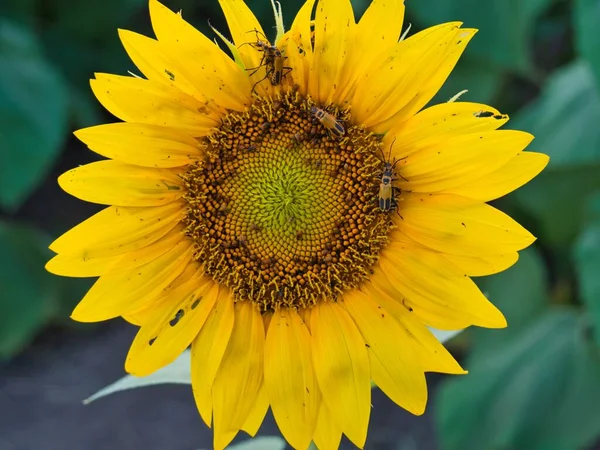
[481, 80]
[520, 293]
[549, 199]
[565, 118]
[539, 391]
[575, 418]
[178, 372]
[91, 20]
[505, 27]
[587, 37]
[593, 208]
[20, 10]
[29, 293]
[260, 443]
[444, 335]
[77, 64]
[85, 108]
[587, 262]
[33, 114]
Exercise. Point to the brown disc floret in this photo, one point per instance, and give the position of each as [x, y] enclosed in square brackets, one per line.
[283, 211]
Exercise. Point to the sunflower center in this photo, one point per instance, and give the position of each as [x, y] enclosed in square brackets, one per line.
[283, 210]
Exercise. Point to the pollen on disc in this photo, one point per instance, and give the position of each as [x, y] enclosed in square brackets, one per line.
[283, 211]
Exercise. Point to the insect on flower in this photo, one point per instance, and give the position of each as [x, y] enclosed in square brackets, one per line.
[387, 200]
[272, 59]
[328, 121]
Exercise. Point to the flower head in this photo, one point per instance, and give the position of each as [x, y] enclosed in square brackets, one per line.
[293, 213]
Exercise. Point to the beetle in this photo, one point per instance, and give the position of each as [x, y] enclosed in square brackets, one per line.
[272, 59]
[386, 189]
[328, 121]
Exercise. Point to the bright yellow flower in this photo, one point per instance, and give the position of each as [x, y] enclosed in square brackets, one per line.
[250, 214]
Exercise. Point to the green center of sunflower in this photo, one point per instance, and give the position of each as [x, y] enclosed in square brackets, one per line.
[284, 211]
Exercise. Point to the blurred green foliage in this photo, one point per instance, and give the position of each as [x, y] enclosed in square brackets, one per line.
[33, 107]
[26, 305]
[537, 390]
[535, 385]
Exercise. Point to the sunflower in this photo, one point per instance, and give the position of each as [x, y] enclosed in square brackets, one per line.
[293, 212]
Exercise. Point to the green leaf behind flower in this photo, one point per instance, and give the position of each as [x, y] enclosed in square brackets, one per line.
[178, 372]
[259, 443]
[587, 38]
[564, 121]
[587, 261]
[33, 114]
[540, 390]
[565, 118]
[29, 293]
[553, 205]
[505, 27]
[481, 80]
[520, 292]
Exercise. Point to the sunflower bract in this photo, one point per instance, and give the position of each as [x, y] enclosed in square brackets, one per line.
[243, 214]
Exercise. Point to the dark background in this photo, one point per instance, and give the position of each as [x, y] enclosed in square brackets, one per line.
[535, 385]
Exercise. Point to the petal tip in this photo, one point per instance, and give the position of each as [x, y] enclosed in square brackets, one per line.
[49, 268]
[81, 314]
[498, 321]
[223, 439]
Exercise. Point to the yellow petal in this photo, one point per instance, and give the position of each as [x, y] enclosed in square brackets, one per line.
[327, 434]
[240, 374]
[246, 29]
[160, 64]
[115, 183]
[233, 50]
[459, 160]
[368, 45]
[220, 84]
[299, 48]
[304, 314]
[242, 25]
[257, 413]
[77, 266]
[117, 230]
[154, 62]
[431, 354]
[142, 145]
[392, 87]
[342, 367]
[166, 335]
[334, 33]
[289, 378]
[436, 290]
[147, 312]
[460, 225]
[380, 28]
[518, 171]
[136, 100]
[261, 405]
[296, 61]
[483, 265]
[116, 294]
[386, 75]
[433, 75]
[439, 122]
[266, 316]
[395, 367]
[207, 352]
